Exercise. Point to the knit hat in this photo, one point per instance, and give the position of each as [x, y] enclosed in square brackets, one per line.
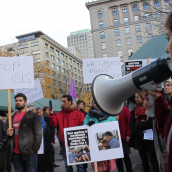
[169, 80]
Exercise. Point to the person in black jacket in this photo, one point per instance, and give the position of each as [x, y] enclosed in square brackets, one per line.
[145, 147]
[3, 141]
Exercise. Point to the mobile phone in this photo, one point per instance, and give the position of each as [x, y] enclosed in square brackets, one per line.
[50, 105]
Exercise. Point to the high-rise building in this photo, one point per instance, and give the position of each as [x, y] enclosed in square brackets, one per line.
[82, 39]
[43, 48]
[120, 27]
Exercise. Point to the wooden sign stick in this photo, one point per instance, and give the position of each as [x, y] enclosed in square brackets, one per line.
[9, 108]
[95, 167]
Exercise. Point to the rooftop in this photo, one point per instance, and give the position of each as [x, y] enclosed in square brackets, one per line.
[80, 32]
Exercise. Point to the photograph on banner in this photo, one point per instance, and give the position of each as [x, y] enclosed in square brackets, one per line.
[78, 146]
[94, 67]
[108, 140]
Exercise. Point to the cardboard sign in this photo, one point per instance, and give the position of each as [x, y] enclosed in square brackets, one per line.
[32, 94]
[16, 72]
[93, 67]
[86, 144]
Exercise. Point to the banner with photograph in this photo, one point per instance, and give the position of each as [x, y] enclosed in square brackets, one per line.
[99, 142]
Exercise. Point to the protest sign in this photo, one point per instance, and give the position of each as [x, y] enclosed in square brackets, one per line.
[99, 142]
[32, 94]
[16, 72]
[93, 67]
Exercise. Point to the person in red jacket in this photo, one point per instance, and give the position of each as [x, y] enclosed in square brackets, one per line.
[124, 118]
[69, 116]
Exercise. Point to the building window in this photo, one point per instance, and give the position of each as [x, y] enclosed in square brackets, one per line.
[70, 66]
[117, 32]
[46, 46]
[52, 49]
[34, 43]
[57, 60]
[53, 65]
[145, 5]
[116, 23]
[158, 14]
[136, 18]
[70, 60]
[75, 76]
[139, 39]
[168, 11]
[128, 41]
[149, 36]
[100, 15]
[103, 45]
[101, 25]
[62, 63]
[78, 65]
[78, 71]
[118, 42]
[167, 2]
[102, 35]
[137, 28]
[52, 57]
[134, 7]
[119, 53]
[148, 25]
[63, 70]
[156, 3]
[147, 16]
[127, 30]
[114, 11]
[74, 62]
[104, 55]
[125, 20]
[124, 9]
[66, 65]
[130, 51]
[47, 55]
[62, 56]
[57, 52]
[58, 67]
[75, 69]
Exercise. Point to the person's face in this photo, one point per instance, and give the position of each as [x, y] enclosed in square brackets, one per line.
[47, 111]
[81, 106]
[83, 147]
[76, 153]
[169, 44]
[108, 138]
[105, 144]
[95, 106]
[65, 103]
[138, 99]
[7, 115]
[73, 150]
[168, 88]
[40, 112]
[20, 103]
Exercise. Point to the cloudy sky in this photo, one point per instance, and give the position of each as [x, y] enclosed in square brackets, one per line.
[56, 18]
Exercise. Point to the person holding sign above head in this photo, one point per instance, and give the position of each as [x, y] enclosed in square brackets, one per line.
[69, 116]
[26, 136]
[95, 116]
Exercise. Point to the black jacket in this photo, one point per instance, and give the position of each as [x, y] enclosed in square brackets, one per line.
[3, 135]
[137, 129]
[30, 134]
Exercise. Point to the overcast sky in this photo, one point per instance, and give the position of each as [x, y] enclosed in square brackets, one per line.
[56, 18]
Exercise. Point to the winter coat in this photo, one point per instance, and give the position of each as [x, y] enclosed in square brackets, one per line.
[3, 135]
[124, 118]
[30, 134]
[164, 123]
[66, 118]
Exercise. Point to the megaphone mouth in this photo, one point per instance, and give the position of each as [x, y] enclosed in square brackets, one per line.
[96, 101]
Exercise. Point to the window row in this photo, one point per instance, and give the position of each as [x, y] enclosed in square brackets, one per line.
[134, 7]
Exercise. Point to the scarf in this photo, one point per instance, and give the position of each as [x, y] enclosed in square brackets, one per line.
[99, 115]
[140, 113]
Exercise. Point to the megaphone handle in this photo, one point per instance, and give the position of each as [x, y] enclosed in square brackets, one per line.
[151, 111]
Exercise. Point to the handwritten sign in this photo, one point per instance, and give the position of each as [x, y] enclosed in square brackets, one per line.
[16, 72]
[93, 67]
[32, 94]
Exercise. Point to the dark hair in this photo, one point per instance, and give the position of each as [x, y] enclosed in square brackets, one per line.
[39, 108]
[79, 102]
[104, 141]
[72, 148]
[21, 95]
[108, 133]
[30, 106]
[45, 108]
[140, 94]
[168, 22]
[69, 97]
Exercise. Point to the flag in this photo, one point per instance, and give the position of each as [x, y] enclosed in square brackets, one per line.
[72, 90]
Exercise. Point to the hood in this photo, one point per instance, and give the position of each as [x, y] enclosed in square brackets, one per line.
[73, 107]
[27, 109]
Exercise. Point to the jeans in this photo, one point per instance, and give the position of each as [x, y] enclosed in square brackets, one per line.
[80, 167]
[2, 161]
[29, 165]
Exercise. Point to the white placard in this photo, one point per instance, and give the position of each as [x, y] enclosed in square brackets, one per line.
[32, 94]
[93, 67]
[41, 149]
[148, 135]
[16, 72]
[86, 142]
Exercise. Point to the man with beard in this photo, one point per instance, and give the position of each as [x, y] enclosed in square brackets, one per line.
[26, 136]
